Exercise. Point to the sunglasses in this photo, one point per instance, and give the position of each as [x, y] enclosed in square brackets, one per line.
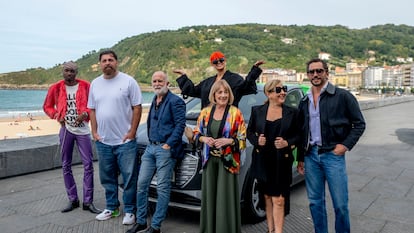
[318, 71]
[221, 60]
[279, 89]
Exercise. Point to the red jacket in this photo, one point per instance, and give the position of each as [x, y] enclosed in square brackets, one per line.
[55, 105]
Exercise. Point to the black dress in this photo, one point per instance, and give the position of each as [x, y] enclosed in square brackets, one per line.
[277, 169]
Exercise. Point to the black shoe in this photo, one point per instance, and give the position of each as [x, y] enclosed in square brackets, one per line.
[71, 206]
[152, 230]
[137, 228]
[91, 208]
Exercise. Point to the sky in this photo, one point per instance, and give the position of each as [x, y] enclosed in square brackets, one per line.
[44, 33]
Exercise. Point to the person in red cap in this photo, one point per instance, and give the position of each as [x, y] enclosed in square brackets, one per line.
[238, 84]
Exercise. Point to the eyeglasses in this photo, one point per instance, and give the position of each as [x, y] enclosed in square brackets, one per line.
[278, 89]
[318, 71]
[221, 60]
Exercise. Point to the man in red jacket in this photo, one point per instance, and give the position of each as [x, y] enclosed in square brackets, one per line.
[66, 102]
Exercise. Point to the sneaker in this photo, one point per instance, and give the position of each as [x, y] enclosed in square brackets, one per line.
[107, 214]
[129, 219]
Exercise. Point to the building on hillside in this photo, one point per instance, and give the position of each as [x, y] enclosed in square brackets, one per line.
[401, 76]
[324, 56]
[287, 40]
[286, 76]
[350, 77]
[372, 77]
[392, 76]
[355, 79]
[407, 71]
[95, 67]
[218, 40]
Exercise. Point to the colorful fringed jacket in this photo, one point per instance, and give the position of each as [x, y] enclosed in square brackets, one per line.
[233, 127]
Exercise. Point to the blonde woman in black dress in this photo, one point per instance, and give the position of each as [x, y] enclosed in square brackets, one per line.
[273, 132]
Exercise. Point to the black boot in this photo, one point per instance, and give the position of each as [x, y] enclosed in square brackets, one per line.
[91, 208]
[71, 206]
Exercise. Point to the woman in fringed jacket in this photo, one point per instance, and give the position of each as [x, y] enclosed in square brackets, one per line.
[221, 132]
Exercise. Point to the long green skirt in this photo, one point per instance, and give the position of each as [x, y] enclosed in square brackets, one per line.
[220, 202]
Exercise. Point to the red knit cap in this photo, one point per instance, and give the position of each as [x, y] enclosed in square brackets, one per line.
[216, 55]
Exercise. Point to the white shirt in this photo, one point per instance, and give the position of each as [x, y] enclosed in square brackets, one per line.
[113, 100]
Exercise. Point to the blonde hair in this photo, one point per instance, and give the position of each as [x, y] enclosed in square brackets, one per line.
[216, 86]
[270, 85]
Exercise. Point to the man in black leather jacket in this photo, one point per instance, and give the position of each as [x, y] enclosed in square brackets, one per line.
[331, 123]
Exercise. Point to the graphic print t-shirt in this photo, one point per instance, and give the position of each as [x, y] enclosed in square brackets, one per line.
[72, 114]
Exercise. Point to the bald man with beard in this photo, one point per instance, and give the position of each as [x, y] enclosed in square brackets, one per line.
[165, 127]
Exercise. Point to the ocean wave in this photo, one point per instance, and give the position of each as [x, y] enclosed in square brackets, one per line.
[21, 114]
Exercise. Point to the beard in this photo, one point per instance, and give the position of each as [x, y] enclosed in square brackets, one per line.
[318, 81]
[162, 91]
[108, 70]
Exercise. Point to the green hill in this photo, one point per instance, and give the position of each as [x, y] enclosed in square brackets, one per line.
[189, 48]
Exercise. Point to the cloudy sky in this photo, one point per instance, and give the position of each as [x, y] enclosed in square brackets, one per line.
[44, 33]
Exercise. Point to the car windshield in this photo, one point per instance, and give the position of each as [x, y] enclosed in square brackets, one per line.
[245, 105]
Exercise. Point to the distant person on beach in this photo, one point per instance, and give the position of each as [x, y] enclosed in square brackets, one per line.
[115, 103]
[66, 102]
[238, 84]
[165, 124]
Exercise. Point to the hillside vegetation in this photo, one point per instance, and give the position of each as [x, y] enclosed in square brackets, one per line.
[189, 48]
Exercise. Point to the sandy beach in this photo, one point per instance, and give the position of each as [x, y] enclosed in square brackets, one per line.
[12, 128]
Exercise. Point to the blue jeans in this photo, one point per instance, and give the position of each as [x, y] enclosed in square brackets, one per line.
[112, 161]
[330, 168]
[155, 159]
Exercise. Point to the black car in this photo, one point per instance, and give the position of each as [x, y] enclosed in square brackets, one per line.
[186, 189]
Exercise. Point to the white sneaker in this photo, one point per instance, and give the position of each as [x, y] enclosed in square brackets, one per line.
[129, 219]
[107, 214]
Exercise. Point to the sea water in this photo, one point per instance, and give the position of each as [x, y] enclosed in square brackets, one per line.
[22, 103]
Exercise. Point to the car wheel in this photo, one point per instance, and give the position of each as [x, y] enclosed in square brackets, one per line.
[253, 207]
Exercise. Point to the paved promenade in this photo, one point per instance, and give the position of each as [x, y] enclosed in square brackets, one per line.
[381, 185]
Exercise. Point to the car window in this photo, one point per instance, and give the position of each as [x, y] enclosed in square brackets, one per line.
[248, 101]
[293, 98]
[193, 108]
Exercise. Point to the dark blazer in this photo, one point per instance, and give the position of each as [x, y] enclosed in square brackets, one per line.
[171, 123]
[289, 127]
